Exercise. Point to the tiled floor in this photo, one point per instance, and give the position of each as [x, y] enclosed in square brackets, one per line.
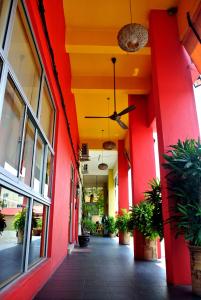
[106, 271]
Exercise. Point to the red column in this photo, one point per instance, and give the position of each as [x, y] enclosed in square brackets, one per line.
[122, 177]
[142, 158]
[176, 118]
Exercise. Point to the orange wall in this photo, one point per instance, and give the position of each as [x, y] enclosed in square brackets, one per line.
[29, 284]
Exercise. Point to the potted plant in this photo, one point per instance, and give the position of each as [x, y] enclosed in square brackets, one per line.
[146, 217]
[38, 229]
[183, 161]
[110, 226]
[122, 224]
[2, 223]
[87, 225]
[19, 224]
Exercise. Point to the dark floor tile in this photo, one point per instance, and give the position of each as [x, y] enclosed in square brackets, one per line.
[106, 271]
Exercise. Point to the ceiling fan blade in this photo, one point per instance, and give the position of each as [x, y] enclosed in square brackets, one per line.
[124, 126]
[95, 117]
[126, 110]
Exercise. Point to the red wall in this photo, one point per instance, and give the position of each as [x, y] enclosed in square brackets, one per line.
[29, 284]
[176, 118]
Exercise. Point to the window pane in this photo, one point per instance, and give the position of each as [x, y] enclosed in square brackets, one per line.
[24, 60]
[26, 167]
[4, 6]
[13, 208]
[47, 114]
[38, 241]
[38, 165]
[48, 175]
[11, 129]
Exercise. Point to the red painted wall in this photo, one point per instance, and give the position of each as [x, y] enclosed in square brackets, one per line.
[28, 285]
[142, 158]
[176, 118]
[122, 178]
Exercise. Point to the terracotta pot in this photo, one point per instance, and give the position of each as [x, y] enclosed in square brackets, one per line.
[195, 255]
[112, 235]
[124, 238]
[150, 249]
[20, 236]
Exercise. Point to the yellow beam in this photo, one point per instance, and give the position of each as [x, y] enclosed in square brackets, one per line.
[91, 84]
[99, 49]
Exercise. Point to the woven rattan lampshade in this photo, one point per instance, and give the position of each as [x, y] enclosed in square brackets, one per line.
[132, 37]
[103, 166]
[109, 145]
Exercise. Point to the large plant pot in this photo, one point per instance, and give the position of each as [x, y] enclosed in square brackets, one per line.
[112, 235]
[84, 240]
[195, 255]
[20, 236]
[150, 250]
[124, 238]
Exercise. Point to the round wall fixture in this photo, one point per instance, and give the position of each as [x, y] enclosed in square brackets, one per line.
[132, 37]
[109, 145]
[103, 166]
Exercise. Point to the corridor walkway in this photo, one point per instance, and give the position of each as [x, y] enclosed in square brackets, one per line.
[106, 271]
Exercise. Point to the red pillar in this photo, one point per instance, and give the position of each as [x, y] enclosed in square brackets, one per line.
[176, 118]
[142, 158]
[122, 177]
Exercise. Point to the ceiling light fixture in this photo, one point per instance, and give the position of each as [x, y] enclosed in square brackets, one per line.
[102, 166]
[132, 37]
[109, 145]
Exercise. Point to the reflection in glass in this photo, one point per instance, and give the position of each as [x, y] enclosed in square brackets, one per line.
[4, 6]
[23, 58]
[11, 129]
[38, 165]
[48, 175]
[47, 114]
[26, 166]
[37, 244]
[13, 207]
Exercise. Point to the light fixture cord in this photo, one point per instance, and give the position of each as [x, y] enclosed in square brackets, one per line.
[102, 148]
[131, 12]
[108, 121]
[114, 89]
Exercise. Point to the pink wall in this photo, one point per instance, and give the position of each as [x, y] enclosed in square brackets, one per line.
[27, 286]
[176, 118]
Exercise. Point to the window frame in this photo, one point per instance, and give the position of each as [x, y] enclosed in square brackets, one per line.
[7, 180]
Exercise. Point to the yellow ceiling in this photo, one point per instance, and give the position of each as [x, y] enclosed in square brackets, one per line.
[91, 30]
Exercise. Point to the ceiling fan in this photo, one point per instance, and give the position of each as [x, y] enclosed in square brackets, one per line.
[115, 116]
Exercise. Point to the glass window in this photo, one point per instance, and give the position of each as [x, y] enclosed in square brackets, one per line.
[13, 213]
[38, 165]
[47, 114]
[11, 129]
[4, 6]
[26, 165]
[48, 175]
[37, 243]
[24, 60]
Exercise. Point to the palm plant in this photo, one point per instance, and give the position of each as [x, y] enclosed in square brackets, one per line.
[183, 162]
[153, 195]
[122, 221]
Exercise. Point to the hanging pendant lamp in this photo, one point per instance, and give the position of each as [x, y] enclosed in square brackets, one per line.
[132, 37]
[102, 166]
[109, 145]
